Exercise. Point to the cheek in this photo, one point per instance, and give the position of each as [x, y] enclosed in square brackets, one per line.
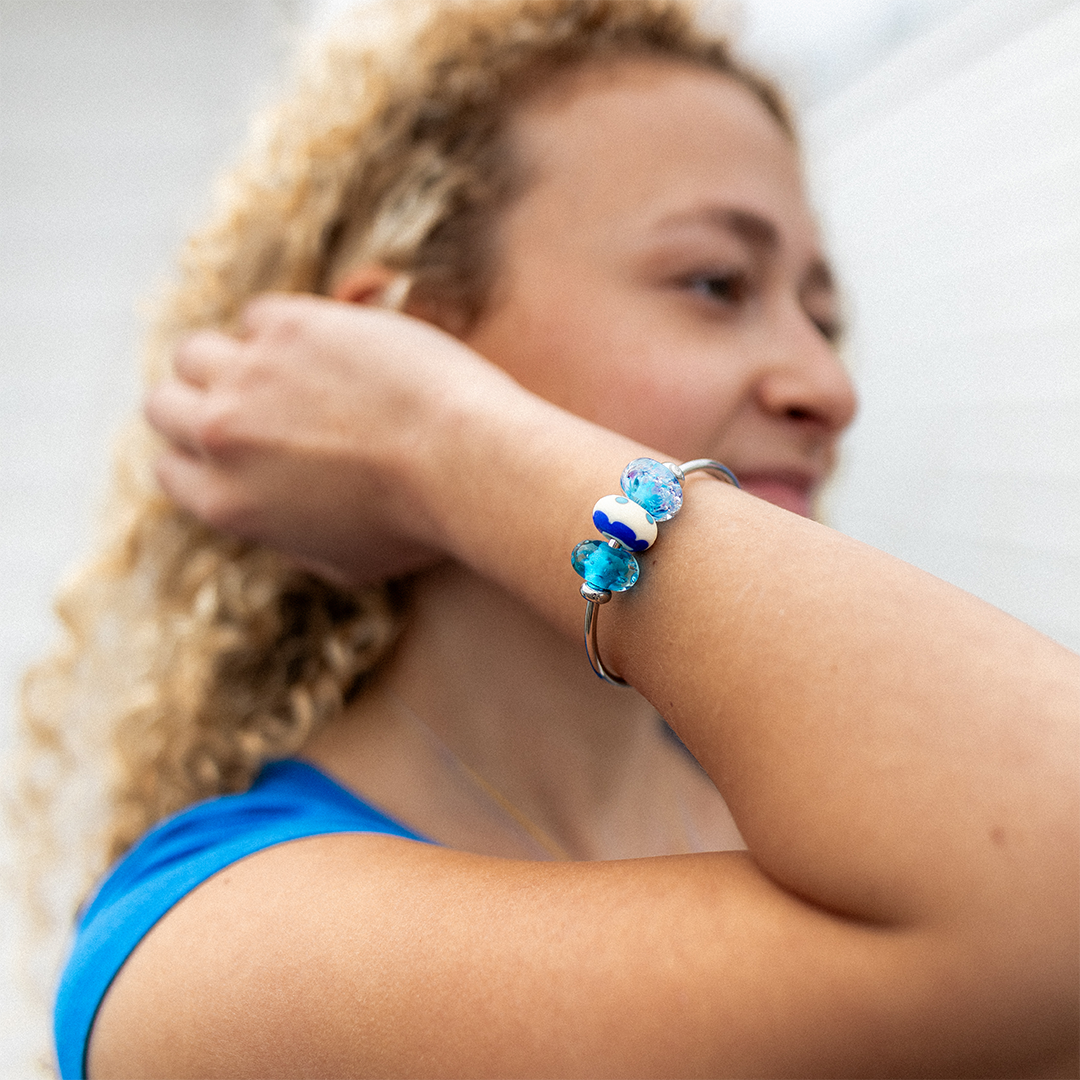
[611, 364]
[674, 405]
[556, 357]
[663, 383]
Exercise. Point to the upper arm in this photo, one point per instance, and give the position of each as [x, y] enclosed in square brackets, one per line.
[372, 956]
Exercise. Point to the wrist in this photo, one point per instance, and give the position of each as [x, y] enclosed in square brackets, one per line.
[510, 483]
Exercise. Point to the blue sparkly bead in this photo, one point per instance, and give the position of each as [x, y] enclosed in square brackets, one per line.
[653, 486]
[605, 567]
[620, 519]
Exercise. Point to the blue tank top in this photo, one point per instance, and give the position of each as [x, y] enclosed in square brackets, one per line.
[288, 801]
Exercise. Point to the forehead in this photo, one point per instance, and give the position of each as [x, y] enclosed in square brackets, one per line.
[655, 139]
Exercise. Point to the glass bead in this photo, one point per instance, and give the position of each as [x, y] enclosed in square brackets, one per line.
[653, 486]
[604, 566]
[620, 519]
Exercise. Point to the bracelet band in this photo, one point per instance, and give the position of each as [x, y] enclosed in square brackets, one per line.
[652, 492]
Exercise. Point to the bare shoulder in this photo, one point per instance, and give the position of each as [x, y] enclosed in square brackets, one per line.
[358, 955]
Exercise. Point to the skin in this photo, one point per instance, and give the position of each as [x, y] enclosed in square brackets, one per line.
[908, 902]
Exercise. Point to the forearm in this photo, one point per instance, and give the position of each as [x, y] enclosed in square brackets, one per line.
[892, 748]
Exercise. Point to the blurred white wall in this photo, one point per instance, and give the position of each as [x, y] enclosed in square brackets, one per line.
[949, 180]
[818, 48]
[945, 172]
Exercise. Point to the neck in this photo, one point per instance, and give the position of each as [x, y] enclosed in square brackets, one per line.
[488, 689]
[504, 688]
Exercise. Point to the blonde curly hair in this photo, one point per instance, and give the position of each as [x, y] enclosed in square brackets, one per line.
[192, 658]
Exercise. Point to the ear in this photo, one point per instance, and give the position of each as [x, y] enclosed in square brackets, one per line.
[374, 285]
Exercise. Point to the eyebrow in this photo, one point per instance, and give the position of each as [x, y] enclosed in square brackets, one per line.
[757, 232]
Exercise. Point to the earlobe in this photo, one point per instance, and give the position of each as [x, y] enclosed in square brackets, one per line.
[374, 285]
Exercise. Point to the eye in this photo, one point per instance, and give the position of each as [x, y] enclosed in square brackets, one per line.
[728, 287]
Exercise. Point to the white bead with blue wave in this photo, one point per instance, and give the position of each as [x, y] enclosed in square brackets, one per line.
[619, 518]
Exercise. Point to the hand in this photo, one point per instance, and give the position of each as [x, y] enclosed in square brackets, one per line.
[302, 433]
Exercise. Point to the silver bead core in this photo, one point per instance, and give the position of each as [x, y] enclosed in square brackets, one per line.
[597, 596]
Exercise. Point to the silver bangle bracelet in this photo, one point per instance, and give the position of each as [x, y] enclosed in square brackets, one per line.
[652, 492]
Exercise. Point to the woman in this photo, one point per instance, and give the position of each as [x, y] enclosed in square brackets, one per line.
[593, 223]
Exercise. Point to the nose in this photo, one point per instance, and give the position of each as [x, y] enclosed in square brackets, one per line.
[803, 380]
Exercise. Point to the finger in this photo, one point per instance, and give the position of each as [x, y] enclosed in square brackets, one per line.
[200, 487]
[263, 311]
[176, 411]
[183, 477]
[200, 357]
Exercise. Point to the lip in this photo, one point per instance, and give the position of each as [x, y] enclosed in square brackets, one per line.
[788, 490]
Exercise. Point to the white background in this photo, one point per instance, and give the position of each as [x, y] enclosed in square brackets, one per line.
[942, 142]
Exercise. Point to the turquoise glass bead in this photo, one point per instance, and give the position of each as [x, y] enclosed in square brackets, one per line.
[604, 566]
[653, 486]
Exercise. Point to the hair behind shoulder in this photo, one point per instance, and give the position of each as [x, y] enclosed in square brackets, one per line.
[189, 658]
